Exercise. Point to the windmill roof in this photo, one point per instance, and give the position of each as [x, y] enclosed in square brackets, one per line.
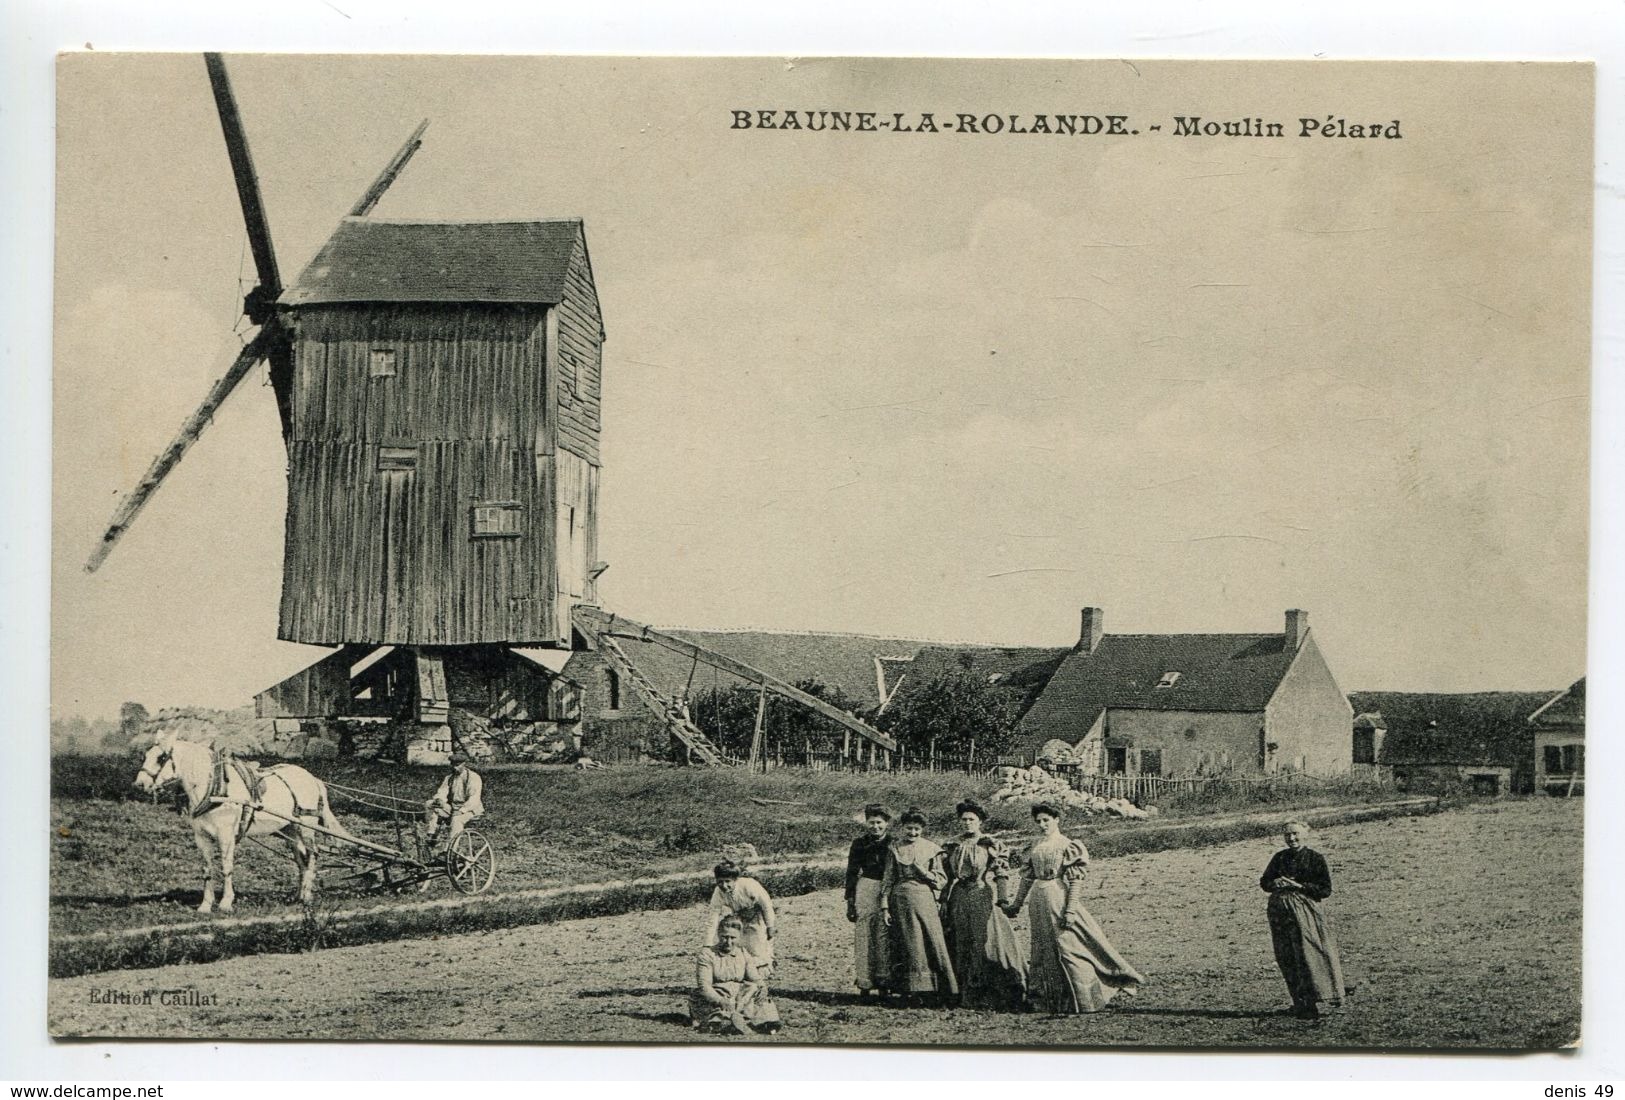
[1217, 672]
[370, 260]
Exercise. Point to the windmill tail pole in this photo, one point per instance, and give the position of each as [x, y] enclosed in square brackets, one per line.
[133, 502]
[594, 620]
[364, 205]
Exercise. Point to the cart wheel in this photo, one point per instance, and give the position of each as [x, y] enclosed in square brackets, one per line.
[471, 863]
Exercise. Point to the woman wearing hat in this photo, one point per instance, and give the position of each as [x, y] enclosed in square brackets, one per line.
[1074, 967]
[738, 895]
[988, 960]
[865, 869]
[914, 878]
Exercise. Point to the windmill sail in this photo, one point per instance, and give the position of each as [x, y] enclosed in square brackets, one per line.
[255, 350]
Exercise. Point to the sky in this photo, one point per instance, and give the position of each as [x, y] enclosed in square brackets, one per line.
[952, 387]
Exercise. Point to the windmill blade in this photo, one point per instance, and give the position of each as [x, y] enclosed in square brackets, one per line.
[248, 191]
[370, 198]
[255, 350]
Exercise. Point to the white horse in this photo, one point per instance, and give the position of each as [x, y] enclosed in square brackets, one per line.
[292, 800]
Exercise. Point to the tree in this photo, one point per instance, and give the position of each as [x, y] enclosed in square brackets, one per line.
[728, 717]
[949, 715]
[131, 718]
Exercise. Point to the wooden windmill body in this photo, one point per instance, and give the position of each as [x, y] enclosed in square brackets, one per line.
[438, 385]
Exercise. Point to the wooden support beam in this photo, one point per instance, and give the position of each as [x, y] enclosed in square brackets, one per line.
[601, 622]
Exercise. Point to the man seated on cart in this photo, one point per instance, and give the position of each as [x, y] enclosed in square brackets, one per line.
[455, 803]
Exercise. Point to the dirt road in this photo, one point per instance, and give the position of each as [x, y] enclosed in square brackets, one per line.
[1459, 930]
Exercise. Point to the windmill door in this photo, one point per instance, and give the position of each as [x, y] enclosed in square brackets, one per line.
[398, 467]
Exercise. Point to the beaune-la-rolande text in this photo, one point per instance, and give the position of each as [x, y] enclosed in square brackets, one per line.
[1064, 125]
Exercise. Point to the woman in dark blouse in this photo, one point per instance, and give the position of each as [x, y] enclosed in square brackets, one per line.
[865, 867]
[1298, 880]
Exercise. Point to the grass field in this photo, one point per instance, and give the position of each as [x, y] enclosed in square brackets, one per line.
[1458, 930]
[122, 861]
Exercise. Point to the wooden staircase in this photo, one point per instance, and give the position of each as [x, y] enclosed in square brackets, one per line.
[704, 749]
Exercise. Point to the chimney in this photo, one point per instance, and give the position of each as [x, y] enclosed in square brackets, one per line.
[1297, 625]
[1093, 624]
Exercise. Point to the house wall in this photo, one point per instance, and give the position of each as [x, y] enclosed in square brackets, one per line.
[389, 556]
[1310, 718]
[1558, 739]
[1191, 742]
[611, 734]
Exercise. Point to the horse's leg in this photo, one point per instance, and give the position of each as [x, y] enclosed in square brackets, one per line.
[204, 846]
[228, 858]
[305, 845]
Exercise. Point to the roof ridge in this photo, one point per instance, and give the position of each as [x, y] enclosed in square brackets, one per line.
[365, 219]
[936, 643]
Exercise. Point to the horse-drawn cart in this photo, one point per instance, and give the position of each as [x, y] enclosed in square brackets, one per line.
[468, 862]
[227, 801]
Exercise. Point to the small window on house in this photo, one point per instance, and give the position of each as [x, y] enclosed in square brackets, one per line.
[1574, 758]
[612, 682]
[1554, 758]
[382, 363]
[496, 519]
[397, 458]
[1169, 679]
[1151, 760]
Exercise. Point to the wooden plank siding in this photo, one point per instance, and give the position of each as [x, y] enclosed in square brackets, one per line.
[389, 556]
[580, 354]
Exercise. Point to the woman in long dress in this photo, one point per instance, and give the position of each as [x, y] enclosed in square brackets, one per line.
[730, 986]
[1298, 880]
[865, 870]
[914, 878]
[738, 895]
[1074, 967]
[987, 958]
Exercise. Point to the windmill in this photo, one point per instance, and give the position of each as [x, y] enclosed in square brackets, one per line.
[438, 386]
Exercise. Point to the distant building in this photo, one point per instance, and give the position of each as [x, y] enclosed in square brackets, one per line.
[1481, 740]
[1170, 704]
[1560, 741]
[618, 725]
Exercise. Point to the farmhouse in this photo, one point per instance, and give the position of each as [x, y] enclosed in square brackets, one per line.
[1560, 741]
[1171, 704]
[1481, 740]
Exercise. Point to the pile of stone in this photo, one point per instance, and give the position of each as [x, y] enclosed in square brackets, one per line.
[1034, 784]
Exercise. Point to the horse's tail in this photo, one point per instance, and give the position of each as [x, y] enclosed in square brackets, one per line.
[330, 820]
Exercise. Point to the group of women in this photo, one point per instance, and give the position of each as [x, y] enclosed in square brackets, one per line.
[933, 924]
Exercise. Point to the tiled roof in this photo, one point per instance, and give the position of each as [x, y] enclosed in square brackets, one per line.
[1485, 728]
[368, 260]
[1017, 673]
[1567, 710]
[1217, 672]
[845, 662]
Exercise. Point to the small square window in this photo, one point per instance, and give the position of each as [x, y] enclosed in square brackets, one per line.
[397, 458]
[496, 519]
[382, 363]
[1169, 679]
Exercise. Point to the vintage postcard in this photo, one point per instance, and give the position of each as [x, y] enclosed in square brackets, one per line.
[1053, 554]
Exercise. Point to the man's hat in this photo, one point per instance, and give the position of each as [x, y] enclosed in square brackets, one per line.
[461, 758]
